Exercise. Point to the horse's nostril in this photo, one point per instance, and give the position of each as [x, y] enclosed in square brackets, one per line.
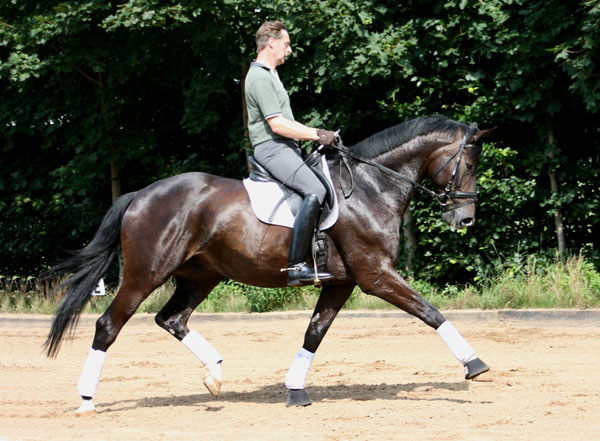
[467, 222]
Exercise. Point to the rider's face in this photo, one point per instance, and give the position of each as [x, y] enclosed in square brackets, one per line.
[281, 47]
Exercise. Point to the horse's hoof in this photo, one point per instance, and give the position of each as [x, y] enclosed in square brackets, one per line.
[297, 397]
[475, 368]
[86, 408]
[213, 385]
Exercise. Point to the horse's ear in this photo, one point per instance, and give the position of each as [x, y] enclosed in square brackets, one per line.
[481, 134]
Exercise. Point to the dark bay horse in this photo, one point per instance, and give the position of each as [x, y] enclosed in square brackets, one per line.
[200, 228]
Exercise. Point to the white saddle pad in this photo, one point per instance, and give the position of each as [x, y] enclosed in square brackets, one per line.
[264, 196]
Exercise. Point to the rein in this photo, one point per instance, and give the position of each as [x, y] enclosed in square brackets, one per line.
[445, 198]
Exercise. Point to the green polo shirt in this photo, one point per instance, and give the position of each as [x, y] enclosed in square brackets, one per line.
[265, 97]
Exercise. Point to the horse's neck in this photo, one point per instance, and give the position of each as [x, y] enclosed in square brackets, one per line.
[411, 158]
[392, 194]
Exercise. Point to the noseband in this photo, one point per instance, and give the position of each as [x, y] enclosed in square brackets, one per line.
[445, 198]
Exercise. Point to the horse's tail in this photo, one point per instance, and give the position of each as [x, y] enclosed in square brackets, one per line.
[85, 267]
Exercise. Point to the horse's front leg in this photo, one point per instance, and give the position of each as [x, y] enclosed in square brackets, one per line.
[389, 286]
[330, 302]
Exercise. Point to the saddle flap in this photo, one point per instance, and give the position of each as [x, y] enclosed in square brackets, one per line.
[315, 163]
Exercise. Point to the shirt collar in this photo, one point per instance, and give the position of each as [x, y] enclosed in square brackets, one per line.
[256, 64]
[273, 72]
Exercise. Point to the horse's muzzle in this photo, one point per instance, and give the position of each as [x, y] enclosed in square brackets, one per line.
[460, 217]
[467, 222]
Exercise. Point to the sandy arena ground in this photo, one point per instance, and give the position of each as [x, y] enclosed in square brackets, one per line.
[377, 376]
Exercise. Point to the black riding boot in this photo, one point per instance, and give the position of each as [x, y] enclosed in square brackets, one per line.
[299, 272]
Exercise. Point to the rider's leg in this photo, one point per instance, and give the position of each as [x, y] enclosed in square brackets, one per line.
[283, 160]
[299, 272]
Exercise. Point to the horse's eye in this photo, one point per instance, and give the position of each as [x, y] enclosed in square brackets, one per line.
[469, 166]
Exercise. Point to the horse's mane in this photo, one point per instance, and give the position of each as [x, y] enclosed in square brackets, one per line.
[395, 136]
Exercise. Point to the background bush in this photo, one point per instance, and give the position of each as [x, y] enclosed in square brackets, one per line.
[104, 97]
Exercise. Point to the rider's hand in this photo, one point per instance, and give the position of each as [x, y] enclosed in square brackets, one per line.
[327, 137]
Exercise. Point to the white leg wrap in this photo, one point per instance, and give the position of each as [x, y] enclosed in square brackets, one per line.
[90, 375]
[206, 353]
[457, 344]
[296, 376]
[86, 407]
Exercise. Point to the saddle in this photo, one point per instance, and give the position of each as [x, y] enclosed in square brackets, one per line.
[286, 195]
[260, 174]
[275, 203]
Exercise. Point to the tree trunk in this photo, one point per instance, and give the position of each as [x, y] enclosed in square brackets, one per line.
[247, 146]
[554, 189]
[115, 180]
[115, 175]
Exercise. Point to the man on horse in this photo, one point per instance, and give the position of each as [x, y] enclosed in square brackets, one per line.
[273, 131]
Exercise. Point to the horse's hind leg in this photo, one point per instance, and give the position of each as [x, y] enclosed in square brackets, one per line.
[330, 302]
[175, 315]
[108, 326]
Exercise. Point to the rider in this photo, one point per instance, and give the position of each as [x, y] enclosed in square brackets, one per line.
[273, 131]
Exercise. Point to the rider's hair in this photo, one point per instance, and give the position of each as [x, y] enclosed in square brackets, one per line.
[269, 29]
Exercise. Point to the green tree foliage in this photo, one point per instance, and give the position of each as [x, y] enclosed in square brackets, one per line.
[154, 87]
[88, 83]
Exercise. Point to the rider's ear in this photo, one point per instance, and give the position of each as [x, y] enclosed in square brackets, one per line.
[481, 134]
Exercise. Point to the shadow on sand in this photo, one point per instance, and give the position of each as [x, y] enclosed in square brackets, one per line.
[277, 393]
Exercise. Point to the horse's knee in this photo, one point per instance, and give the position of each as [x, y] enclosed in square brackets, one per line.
[172, 325]
[163, 322]
[316, 331]
[395, 290]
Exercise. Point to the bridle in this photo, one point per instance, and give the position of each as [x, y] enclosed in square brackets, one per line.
[444, 198]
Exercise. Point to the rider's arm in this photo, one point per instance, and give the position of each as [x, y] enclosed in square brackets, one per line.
[292, 129]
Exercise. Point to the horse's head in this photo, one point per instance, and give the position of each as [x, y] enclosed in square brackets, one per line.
[453, 170]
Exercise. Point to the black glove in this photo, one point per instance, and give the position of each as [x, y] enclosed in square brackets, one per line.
[327, 137]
